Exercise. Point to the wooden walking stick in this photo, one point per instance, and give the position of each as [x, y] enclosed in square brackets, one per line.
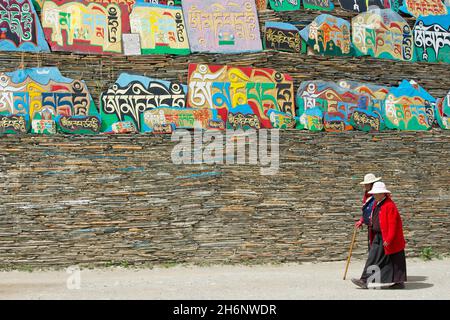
[350, 251]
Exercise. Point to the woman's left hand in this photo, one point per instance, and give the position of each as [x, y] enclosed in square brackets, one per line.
[385, 244]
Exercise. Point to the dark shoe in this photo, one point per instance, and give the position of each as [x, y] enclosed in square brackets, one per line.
[360, 283]
[399, 285]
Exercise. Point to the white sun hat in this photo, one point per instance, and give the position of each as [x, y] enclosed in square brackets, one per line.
[379, 187]
[370, 178]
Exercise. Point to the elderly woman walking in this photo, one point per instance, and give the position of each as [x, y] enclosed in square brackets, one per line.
[387, 244]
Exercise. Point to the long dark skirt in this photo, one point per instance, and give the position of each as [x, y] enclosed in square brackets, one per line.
[392, 267]
[368, 239]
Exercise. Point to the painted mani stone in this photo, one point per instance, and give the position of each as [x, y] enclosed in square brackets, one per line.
[432, 38]
[241, 92]
[328, 35]
[382, 33]
[85, 27]
[78, 124]
[167, 119]
[45, 97]
[218, 26]
[281, 120]
[424, 8]
[161, 29]
[367, 117]
[341, 106]
[20, 29]
[281, 36]
[14, 123]
[348, 105]
[409, 107]
[336, 104]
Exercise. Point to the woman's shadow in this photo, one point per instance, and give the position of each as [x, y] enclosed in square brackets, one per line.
[417, 282]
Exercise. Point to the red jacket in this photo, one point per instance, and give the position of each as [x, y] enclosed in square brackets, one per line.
[391, 227]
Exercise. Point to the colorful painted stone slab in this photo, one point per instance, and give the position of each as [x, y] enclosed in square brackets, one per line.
[242, 118]
[328, 35]
[281, 120]
[85, 27]
[131, 96]
[167, 119]
[216, 87]
[333, 122]
[311, 119]
[369, 118]
[382, 33]
[284, 5]
[375, 94]
[282, 36]
[424, 8]
[366, 120]
[123, 127]
[363, 5]
[78, 124]
[336, 104]
[443, 112]
[222, 26]
[430, 101]
[323, 5]
[409, 107]
[161, 29]
[44, 94]
[14, 123]
[309, 109]
[432, 38]
[20, 29]
[43, 126]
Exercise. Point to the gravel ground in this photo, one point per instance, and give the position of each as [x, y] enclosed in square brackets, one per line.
[427, 280]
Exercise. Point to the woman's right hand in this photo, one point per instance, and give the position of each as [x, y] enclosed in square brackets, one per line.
[358, 224]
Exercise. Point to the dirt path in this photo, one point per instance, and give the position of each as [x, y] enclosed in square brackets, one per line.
[427, 280]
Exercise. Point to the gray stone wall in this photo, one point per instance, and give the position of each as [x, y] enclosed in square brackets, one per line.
[119, 199]
[111, 199]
